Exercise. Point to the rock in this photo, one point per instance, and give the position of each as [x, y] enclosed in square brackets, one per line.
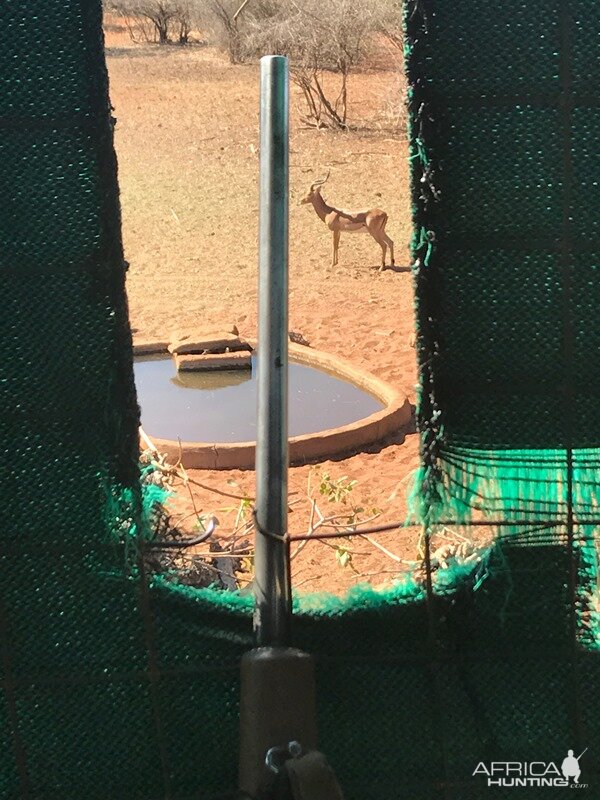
[213, 342]
[226, 567]
[297, 338]
[145, 346]
[209, 361]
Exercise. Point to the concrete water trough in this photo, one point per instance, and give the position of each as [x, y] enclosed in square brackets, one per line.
[207, 418]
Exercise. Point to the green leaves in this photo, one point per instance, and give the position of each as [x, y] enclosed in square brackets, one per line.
[336, 491]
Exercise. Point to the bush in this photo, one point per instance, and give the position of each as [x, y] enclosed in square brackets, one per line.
[319, 38]
[159, 21]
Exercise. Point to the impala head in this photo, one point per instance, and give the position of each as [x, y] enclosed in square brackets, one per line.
[315, 188]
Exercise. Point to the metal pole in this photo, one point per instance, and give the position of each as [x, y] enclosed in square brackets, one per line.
[272, 614]
[277, 689]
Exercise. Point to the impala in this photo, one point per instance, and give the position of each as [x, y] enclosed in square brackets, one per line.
[371, 221]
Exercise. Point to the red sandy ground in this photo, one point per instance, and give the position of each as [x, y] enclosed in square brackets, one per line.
[187, 138]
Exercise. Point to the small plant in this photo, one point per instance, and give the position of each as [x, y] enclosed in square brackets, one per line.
[226, 560]
[242, 510]
[336, 491]
[343, 557]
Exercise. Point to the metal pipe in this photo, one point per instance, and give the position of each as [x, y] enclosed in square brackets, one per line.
[272, 615]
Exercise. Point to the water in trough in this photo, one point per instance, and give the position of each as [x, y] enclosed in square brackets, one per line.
[220, 406]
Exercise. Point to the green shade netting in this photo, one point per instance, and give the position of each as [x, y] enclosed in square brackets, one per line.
[504, 113]
[120, 685]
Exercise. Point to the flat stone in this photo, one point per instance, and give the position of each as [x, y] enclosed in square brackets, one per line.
[197, 363]
[207, 342]
[145, 346]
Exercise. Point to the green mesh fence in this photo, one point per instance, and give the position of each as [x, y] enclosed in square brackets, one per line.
[118, 685]
[504, 108]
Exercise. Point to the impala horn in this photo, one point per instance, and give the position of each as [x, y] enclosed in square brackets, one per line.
[320, 181]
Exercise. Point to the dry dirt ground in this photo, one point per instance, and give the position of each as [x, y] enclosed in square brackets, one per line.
[186, 139]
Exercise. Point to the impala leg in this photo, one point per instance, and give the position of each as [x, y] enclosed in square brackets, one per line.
[379, 235]
[336, 244]
[383, 252]
[390, 244]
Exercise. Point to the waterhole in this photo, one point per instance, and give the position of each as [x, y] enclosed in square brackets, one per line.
[220, 406]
